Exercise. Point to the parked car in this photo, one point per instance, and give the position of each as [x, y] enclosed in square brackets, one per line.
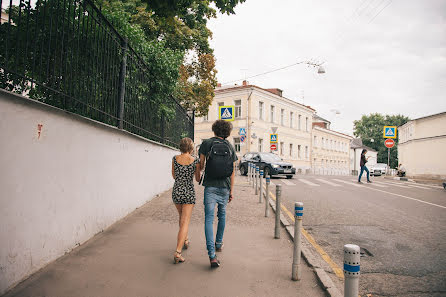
[378, 169]
[270, 163]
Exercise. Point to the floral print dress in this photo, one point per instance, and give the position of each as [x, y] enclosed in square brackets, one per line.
[183, 189]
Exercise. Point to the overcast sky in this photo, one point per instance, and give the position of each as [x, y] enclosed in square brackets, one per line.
[391, 62]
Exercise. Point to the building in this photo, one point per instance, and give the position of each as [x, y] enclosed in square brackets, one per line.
[259, 110]
[421, 146]
[356, 148]
[330, 149]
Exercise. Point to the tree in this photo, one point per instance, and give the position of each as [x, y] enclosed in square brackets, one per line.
[371, 127]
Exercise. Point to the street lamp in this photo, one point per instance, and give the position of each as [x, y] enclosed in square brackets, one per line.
[321, 70]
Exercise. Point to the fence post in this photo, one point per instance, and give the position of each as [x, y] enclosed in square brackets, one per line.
[352, 258]
[298, 216]
[121, 86]
[277, 225]
[261, 186]
[267, 196]
[257, 180]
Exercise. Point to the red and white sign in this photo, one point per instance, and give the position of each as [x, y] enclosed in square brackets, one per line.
[273, 147]
[389, 143]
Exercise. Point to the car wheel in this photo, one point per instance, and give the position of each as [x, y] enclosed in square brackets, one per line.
[243, 170]
[265, 172]
[289, 176]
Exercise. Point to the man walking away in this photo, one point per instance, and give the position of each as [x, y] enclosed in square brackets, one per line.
[362, 163]
[219, 156]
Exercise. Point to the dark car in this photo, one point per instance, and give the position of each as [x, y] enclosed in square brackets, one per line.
[270, 163]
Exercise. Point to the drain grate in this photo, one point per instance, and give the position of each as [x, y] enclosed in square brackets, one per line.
[365, 252]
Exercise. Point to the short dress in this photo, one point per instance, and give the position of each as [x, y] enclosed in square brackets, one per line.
[183, 189]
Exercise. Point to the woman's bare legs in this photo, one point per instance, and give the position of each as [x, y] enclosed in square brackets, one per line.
[185, 212]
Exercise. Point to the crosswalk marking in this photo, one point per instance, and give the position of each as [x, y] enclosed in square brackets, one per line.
[394, 184]
[288, 183]
[308, 182]
[419, 187]
[348, 182]
[378, 185]
[327, 182]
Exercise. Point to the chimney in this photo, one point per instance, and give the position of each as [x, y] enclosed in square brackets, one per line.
[245, 83]
[218, 85]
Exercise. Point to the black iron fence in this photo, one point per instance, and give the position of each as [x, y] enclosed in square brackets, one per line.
[65, 53]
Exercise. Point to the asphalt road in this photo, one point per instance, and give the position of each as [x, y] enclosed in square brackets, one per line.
[400, 225]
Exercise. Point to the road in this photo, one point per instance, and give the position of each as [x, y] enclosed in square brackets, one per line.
[401, 227]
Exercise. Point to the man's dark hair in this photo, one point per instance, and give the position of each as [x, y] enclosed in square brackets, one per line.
[222, 128]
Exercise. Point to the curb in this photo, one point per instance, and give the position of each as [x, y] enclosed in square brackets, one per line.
[310, 257]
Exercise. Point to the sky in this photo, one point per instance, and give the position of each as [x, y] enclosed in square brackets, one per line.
[385, 56]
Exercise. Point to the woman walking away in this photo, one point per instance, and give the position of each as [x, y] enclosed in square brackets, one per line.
[184, 167]
[363, 167]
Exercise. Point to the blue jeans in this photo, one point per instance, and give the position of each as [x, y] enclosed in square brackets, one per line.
[362, 171]
[212, 196]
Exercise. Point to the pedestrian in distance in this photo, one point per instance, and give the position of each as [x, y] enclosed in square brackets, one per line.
[362, 163]
[218, 158]
[401, 170]
[184, 168]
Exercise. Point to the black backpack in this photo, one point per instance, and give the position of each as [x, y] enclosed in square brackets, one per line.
[219, 161]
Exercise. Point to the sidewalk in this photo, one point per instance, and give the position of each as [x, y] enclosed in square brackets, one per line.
[134, 257]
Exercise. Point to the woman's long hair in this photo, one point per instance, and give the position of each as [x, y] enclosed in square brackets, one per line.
[363, 151]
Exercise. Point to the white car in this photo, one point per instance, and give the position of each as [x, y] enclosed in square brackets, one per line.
[378, 169]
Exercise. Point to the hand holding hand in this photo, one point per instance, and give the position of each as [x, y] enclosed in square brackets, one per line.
[230, 198]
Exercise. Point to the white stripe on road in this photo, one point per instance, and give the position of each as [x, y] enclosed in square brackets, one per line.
[327, 182]
[288, 183]
[308, 182]
[419, 187]
[393, 184]
[348, 182]
[378, 185]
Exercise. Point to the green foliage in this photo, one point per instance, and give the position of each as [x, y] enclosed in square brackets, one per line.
[371, 127]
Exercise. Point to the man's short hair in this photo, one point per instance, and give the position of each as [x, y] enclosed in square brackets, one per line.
[222, 128]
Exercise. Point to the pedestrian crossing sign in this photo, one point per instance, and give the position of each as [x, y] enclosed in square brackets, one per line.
[389, 131]
[226, 113]
[273, 138]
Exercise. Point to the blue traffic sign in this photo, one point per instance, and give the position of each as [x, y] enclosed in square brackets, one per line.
[242, 138]
[389, 131]
[226, 113]
[242, 131]
[273, 138]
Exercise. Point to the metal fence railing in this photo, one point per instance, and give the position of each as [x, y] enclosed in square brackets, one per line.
[66, 54]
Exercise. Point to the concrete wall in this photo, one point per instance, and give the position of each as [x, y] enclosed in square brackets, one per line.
[63, 185]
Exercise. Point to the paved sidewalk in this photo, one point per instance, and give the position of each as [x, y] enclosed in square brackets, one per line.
[134, 257]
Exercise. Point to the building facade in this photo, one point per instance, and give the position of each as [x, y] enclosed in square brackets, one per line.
[259, 110]
[421, 144]
[330, 149]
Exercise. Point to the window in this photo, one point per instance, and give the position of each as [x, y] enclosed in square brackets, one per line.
[206, 117]
[306, 152]
[282, 117]
[221, 104]
[281, 148]
[299, 154]
[272, 113]
[238, 108]
[299, 120]
[261, 110]
[291, 119]
[306, 124]
[291, 150]
[315, 141]
[260, 145]
[237, 144]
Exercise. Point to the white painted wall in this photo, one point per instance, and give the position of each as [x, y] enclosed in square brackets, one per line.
[355, 158]
[60, 189]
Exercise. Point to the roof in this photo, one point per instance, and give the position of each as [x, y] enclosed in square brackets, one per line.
[425, 117]
[343, 134]
[236, 87]
[357, 143]
[318, 117]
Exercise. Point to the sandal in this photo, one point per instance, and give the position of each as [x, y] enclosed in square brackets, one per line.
[177, 258]
[186, 244]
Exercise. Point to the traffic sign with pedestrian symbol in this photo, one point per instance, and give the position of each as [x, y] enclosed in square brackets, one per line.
[226, 113]
[273, 138]
[389, 131]
[242, 131]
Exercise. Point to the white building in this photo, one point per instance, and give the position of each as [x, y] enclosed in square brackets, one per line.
[356, 148]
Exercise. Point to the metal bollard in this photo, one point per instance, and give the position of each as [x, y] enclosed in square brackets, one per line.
[249, 172]
[257, 180]
[261, 186]
[298, 216]
[277, 225]
[252, 175]
[352, 258]
[268, 180]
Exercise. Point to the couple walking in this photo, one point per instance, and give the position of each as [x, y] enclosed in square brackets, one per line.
[217, 157]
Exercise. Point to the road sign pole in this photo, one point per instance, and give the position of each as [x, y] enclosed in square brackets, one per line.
[388, 158]
[352, 266]
[298, 215]
[261, 186]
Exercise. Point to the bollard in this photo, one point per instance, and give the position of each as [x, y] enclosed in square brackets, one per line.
[351, 270]
[249, 172]
[277, 225]
[298, 216]
[257, 180]
[252, 175]
[268, 180]
[261, 186]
